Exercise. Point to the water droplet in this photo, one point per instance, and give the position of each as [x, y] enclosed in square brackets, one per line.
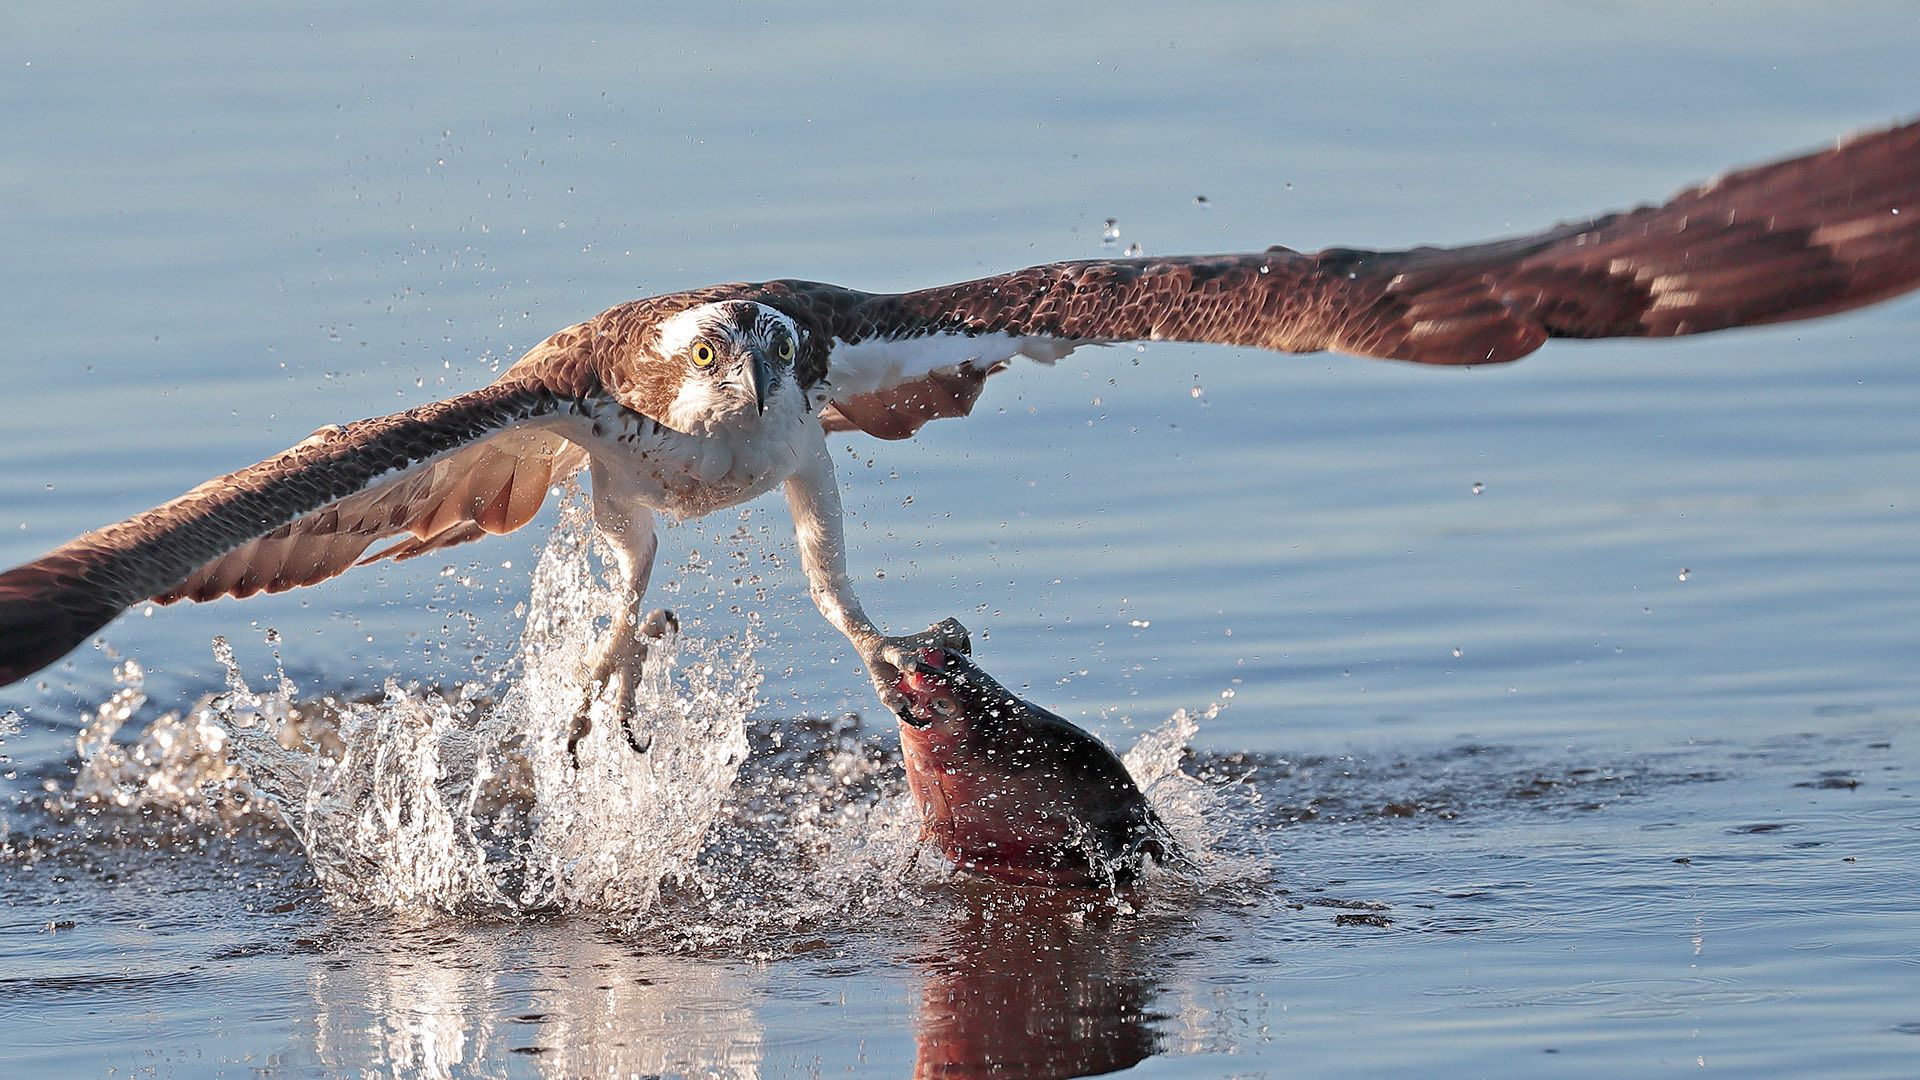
[1134, 251]
[1110, 233]
[1456, 654]
[1202, 200]
[1478, 487]
[1684, 572]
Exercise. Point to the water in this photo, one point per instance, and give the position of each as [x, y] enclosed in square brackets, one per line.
[1551, 719]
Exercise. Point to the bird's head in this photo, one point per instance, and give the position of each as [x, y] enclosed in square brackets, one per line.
[726, 362]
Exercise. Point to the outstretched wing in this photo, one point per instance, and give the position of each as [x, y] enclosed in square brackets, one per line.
[491, 487]
[1791, 240]
[442, 473]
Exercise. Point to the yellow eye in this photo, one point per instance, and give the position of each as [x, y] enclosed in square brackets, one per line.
[703, 354]
[786, 348]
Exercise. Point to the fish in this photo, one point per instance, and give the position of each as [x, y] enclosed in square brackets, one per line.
[1015, 793]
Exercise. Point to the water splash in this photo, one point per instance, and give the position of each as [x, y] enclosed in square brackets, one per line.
[9, 727]
[449, 802]
[178, 765]
[824, 840]
[466, 800]
[424, 802]
[454, 800]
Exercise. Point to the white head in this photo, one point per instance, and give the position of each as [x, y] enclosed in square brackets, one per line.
[735, 360]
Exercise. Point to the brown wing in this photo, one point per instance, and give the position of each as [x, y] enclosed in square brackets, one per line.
[1791, 240]
[900, 410]
[492, 487]
[471, 460]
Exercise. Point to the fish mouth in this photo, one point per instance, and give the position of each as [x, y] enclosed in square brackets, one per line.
[922, 681]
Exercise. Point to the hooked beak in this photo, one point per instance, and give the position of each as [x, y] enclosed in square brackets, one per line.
[759, 375]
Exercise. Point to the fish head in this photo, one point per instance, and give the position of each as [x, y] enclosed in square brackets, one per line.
[947, 692]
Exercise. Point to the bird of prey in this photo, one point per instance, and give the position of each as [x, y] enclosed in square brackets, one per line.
[694, 401]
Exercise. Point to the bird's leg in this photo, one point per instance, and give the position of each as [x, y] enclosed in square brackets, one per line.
[813, 496]
[615, 664]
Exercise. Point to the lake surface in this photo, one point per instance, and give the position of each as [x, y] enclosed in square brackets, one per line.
[1558, 719]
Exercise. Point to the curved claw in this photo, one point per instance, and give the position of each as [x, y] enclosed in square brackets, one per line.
[640, 743]
[659, 623]
[616, 672]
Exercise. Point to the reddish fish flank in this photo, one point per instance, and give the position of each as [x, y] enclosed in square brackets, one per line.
[1014, 792]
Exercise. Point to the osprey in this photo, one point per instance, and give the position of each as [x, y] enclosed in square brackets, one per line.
[694, 401]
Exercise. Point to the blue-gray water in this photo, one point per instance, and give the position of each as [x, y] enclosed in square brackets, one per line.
[1605, 768]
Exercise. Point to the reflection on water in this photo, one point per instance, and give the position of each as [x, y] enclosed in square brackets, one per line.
[1031, 983]
[564, 1000]
[1004, 982]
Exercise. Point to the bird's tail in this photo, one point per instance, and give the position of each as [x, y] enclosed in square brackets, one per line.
[45, 611]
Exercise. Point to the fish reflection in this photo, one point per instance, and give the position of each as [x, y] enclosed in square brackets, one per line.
[1037, 984]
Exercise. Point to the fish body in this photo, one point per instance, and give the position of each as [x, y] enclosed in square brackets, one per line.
[1013, 792]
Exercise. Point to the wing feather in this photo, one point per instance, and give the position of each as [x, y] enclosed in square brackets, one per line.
[1794, 239]
[472, 486]
[297, 518]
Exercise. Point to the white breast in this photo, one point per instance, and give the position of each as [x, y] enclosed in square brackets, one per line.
[690, 475]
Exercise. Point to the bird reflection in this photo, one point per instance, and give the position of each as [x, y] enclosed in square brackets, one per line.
[554, 1000]
[1012, 982]
[1037, 983]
